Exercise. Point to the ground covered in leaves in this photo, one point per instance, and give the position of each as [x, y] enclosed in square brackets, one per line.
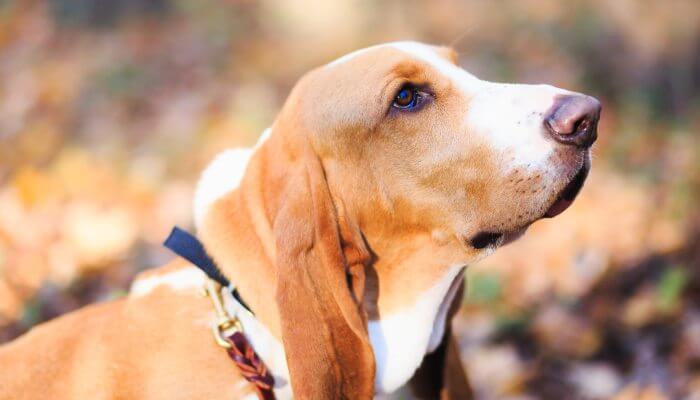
[109, 110]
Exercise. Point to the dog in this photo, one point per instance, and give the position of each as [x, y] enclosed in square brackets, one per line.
[346, 229]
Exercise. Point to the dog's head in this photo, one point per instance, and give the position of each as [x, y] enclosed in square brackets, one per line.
[397, 141]
[416, 140]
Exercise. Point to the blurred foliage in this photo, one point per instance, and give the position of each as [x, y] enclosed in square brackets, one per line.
[671, 287]
[483, 288]
[110, 108]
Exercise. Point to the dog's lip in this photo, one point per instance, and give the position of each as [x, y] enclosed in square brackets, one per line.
[563, 200]
[485, 239]
[568, 194]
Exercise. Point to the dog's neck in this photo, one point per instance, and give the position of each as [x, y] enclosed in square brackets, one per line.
[412, 274]
[236, 229]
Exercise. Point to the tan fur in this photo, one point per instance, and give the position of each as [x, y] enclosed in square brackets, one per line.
[152, 347]
[348, 212]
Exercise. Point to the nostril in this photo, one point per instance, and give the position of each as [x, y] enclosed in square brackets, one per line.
[573, 120]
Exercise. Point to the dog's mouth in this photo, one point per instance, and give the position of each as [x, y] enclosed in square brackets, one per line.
[568, 194]
[494, 239]
[563, 201]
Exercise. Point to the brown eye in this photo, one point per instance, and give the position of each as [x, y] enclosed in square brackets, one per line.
[407, 98]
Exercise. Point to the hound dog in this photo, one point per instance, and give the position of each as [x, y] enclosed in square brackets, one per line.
[347, 230]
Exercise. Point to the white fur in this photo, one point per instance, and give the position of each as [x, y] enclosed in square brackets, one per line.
[265, 344]
[186, 278]
[222, 176]
[401, 340]
[441, 318]
[423, 52]
[509, 116]
[350, 56]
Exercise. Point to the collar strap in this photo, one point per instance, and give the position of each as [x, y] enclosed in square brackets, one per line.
[190, 248]
[227, 329]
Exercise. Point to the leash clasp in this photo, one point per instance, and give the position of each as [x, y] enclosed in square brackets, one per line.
[224, 321]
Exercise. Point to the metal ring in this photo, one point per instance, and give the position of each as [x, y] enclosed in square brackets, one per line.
[218, 328]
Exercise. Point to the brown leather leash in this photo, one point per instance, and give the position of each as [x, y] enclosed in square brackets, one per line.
[252, 368]
[227, 328]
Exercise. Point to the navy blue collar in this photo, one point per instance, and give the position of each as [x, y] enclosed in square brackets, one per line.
[190, 248]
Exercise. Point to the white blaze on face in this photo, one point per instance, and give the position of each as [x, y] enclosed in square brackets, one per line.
[509, 116]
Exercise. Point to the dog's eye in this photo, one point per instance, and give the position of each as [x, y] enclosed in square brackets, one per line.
[407, 98]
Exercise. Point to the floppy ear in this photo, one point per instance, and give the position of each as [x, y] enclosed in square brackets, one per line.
[320, 264]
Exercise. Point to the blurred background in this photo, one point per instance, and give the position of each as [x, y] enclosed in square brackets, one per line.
[109, 109]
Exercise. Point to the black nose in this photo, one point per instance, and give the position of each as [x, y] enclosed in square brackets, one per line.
[573, 120]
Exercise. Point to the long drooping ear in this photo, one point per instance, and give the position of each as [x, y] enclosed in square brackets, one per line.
[320, 264]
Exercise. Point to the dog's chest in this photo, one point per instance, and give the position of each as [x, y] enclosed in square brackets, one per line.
[401, 339]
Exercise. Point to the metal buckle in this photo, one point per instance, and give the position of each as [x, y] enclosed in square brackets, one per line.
[223, 321]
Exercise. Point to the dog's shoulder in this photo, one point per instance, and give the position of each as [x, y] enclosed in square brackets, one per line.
[177, 275]
[44, 359]
[140, 346]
